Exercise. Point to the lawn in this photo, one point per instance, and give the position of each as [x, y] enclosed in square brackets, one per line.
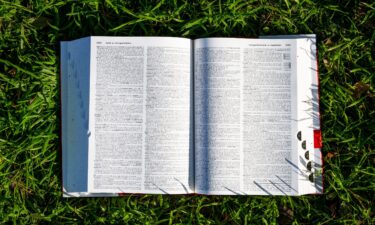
[30, 160]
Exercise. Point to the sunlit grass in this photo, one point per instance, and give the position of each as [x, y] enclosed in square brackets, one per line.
[30, 165]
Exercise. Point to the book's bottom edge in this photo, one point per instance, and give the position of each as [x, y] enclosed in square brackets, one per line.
[87, 194]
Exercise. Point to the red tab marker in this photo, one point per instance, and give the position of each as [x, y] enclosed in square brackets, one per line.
[317, 139]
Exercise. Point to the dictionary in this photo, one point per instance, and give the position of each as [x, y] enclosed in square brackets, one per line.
[210, 116]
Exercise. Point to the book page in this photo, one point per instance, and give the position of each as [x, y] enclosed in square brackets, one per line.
[245, 112]
[140, 131]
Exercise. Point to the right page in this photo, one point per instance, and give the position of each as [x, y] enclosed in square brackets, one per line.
[246, 117]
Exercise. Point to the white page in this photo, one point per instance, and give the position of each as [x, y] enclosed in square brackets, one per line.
[140, 93]
[245, 110]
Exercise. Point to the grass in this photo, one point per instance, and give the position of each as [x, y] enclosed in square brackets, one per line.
[30, 167]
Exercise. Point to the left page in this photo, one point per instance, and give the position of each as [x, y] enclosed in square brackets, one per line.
[139, 129]
[126, 116]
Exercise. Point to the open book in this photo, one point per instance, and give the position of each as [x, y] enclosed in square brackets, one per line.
[213, 116]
